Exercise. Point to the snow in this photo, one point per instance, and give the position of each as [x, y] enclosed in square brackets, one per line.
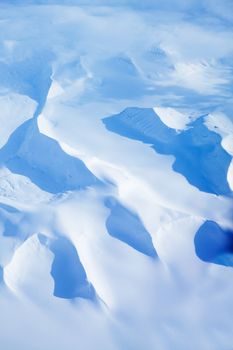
[116, 175]
[15, 110]
[173, 118]
[20, 276]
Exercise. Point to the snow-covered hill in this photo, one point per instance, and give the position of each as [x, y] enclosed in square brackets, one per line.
[116, 177]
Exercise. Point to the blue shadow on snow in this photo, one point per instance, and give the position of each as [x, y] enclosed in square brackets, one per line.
[213, 244]
[68, 273]
[128, 228]
[7, 216]
[42, 160]
[31, 77]
[198, 153]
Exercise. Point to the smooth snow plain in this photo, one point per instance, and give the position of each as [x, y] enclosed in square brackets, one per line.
[116, 177]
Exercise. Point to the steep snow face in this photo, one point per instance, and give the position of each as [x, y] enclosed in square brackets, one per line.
[116, 175]
[42, 160]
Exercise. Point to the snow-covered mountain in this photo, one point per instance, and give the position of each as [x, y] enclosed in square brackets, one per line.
[116, 177]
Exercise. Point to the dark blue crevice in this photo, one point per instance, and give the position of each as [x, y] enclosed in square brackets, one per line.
[214, 244]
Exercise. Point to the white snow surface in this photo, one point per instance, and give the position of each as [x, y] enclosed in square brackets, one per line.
[70, 187]
[15, 110]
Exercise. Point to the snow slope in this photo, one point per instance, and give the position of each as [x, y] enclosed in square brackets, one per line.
[116, 175]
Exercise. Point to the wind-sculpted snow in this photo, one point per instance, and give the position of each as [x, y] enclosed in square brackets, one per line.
[116, 221]
[198, 153]
[124, 81]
